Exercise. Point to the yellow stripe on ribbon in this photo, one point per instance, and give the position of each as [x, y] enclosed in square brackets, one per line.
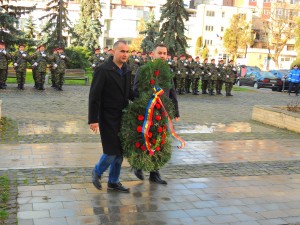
[148, 118]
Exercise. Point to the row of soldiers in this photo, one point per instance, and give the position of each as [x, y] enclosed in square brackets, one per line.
[39, 62]
[188, 73]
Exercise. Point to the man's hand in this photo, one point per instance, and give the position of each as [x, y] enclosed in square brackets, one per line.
[177, 119]
[94, 127]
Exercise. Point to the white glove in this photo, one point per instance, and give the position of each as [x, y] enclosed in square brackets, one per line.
[137, 60]
[219, 74]
[101, 58]
[234, 69]
[170, 63]
[202, 72]
[15, 64]
[185, 64]
[227, 76]
[93, 65]
[209, 73]
[55, 65]
[62, 56]
[186, 72]
[217, 66]
[24, 55]
[44, 55]
[35, 64]
[200, 64]
[178, 72]
[224, 67]
[4, 52]
[193, 72]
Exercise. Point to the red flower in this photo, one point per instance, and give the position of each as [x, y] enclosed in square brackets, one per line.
[150, 134]
[152, 82]
[140, 117]
[162, 142]
[159, 129]
[151, 123]
[139, 129]
[151, 152]
[158, 118]
[163, 113]
[154, 141]
[157, 148]
[156, 73]
[143, 147]
[137, 144]
[163, 136]
[157, 105]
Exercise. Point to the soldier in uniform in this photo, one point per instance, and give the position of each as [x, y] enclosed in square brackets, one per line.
[134, 63]
[21, 58]
[182, 73]
[97, 59]
[144, 58]
[61, 67]
[213, 76]
[221, 75]
[53, 67]
[4, 59]
[196, 75]
[205, 76]
[40, 62]
[34, 67]
[229, 77]
[175, 69]
[191, 72]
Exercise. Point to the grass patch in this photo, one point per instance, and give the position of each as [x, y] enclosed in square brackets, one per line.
[8, 130]
[4, 196]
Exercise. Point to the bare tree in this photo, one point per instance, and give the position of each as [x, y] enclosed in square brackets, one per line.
[279, 29]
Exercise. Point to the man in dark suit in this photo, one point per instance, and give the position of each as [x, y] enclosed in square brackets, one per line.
[159, 52]
[109, 95]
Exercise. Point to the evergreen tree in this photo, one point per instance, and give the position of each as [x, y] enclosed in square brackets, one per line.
[30, 28]
[51, 31]
[9, 14]
[151, 34]
[89, 26]
[172, 30]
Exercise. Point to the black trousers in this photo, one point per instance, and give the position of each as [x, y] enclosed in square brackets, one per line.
[291, 84]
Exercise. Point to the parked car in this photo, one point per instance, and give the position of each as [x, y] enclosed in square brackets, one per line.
[258, 79]
[282, 80]
[243, 70]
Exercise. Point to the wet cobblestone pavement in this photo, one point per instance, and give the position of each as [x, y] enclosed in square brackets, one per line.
[234, 171]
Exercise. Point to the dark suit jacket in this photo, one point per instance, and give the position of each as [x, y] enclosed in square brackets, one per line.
[109, 95]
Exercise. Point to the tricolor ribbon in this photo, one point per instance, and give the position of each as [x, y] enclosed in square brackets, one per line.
[148, 118]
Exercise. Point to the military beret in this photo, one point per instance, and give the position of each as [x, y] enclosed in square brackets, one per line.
[22, 45]
[205, 59]
[110, 49]
[175, 56]
[221, 60]
[231, 60]
[197, 57]
[182, 55]
[144, 53]
[2, 43]
[97, 49]
[133, 51]
[212, 60]
[190, 56]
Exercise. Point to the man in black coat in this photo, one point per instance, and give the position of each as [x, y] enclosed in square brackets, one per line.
[109, 95]
[159, 52]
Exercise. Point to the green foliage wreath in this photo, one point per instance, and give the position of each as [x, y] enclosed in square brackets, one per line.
[153, 74]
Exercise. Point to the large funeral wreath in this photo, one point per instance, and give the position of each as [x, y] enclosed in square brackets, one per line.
[146, 130]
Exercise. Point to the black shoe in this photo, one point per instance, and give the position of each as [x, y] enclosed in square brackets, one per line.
[96, 180]
[41, 87]
[155, 177]
[230, 94]
[117, 187]
[139, 174]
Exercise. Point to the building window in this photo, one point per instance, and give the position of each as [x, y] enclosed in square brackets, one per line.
[267, 11]
[266, 0]
[208, 42]
[223, 14]
[295, 1]
[252, 0]
[279, 12]
[210, 13]
[222, 29]
[209, 28]
[290, 47]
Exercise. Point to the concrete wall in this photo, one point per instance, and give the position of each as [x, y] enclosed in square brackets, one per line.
[278, 117]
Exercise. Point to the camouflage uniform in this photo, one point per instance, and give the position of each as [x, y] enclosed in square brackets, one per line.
[20, 65]
[174, 67]
[188, 79]
[60, 71]
[34, 68]
[205, 77]
[96, 60]
[40, 62]
[229, 78]
[182, 72]
[53, 67]
[196, 77]
[134, 63]
[221, 75]
[4, 58]
[213, 76]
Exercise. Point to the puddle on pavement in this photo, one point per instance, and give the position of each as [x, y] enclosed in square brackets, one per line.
[234, 127]
[67, 127]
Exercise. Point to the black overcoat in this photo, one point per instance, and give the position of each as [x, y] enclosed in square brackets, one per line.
[110, 93]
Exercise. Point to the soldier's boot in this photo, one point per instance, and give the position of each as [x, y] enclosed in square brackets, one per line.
[229, 94]
[41, 87]
[22, 86]
[53, 84]
[211, 92]
[195, 92]
[19, 86]
[59, 88]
